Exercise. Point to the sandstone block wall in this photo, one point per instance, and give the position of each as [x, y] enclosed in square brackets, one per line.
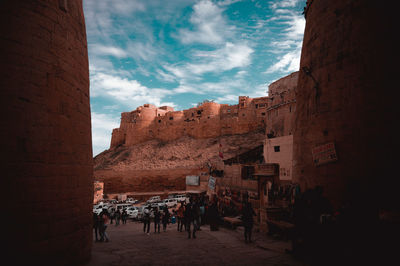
[208, 120]
[281, 106]
[46, 149]
[344, 96]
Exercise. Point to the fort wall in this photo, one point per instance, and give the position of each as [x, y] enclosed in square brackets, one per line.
[209, 120]
[347, 61]
[46, 146]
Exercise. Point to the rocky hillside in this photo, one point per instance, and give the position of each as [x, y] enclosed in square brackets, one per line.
[185, 152]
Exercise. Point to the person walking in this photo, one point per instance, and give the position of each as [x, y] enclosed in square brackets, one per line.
[104, 220]
[165, 219]
[112, 216]
[96, 226]
[196, 215]
[146, 220]
[248, 221]
[123, 216]
[157, 219]
[181, 220]
[189, 219]
[117, 217]
[213, 216]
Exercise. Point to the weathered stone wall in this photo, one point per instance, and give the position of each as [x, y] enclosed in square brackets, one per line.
[123, 181]
[46, 149]
[281, 106]
[209, 120]
[344, 96]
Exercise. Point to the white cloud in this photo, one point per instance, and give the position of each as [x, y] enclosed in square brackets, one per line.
[284, 3]
[289, 62]
[227, 2]
[142, 51]
[289, 43]
[102, 126]
[210, 26]
[229, 98]
[128, 92]
[102, 50]
[228, 57]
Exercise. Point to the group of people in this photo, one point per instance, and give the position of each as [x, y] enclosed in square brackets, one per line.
[100, 223]
[189, 216]
[162, 216]
[118, 215]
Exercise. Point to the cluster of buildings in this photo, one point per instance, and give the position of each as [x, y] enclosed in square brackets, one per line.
[258, 174]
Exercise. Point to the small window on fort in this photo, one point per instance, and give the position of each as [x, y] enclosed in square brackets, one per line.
[229, 110]
[262, 113]
[277, 148]
[199, 112]
[243, 114]
[159, 121]
[290, 109]
[171, 118]
[242, 104]
[262, 105]
[192, 114]
[159, 115]
[256, 106]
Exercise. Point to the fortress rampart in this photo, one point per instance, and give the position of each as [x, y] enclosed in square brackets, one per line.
[208, 120]
[272, 113]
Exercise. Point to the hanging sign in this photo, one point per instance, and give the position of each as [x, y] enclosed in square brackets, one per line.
[323, 154]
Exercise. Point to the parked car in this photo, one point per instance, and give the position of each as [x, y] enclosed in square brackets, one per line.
[132, 212]
[97, 210]
[158, 205]
[121, 206]
[170, 202]
[140, 211]
[154, 199]
[131, 200]
[180, 198]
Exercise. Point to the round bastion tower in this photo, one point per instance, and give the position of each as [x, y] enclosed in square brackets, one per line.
[46, 145]
[141, 119]
[344, 135]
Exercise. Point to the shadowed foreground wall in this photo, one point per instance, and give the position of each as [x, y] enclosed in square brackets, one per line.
[46, 152]
[345, 95]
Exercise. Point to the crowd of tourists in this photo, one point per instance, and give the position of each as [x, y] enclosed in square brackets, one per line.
[188, 217]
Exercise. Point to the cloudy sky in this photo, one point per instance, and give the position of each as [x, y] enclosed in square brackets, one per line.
[181, 52]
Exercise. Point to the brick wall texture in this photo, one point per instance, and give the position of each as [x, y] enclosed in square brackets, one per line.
[47, 173]
[345, 95]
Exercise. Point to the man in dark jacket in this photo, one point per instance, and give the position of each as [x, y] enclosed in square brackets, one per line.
[248, 220]
[189, 219]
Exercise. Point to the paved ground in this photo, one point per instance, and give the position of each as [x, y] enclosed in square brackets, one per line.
[130, 246]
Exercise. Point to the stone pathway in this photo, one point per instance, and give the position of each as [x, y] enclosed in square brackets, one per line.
[130, 246]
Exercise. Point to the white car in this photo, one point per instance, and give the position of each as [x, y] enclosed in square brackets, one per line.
[97, 210]
[180, 198]
[132, 212]
[170, 202]
[154, 199]
[132, 201]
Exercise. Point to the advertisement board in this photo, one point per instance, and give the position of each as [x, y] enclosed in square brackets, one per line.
[192, 180]
[325, 153]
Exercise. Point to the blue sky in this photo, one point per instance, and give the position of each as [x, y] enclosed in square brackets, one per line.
[181, 52]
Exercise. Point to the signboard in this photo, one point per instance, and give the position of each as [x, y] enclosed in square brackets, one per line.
[324, 154]
[211, 183]
[266, 169]
[192, 180]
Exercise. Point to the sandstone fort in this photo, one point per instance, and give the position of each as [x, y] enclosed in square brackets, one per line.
[331, 125]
